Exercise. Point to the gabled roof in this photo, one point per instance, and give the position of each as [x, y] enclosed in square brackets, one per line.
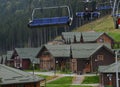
[78, 50]
[28, 53]
[59, 50]
[91, 36]
[86, 50]
[87, 36]
[70, 36]
[14, 76]
[109, 69]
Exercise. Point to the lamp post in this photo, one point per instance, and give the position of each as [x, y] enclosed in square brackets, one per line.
[55, 67]
[116, 63]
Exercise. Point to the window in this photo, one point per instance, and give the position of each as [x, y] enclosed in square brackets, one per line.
[101, 40]
[100, 57]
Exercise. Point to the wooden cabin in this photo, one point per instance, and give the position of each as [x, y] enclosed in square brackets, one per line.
[11, 77]
[108, 75]
[87, 37]
[23, 58]
[87, 57]
[54, 57]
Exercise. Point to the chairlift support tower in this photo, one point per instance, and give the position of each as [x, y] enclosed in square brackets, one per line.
[116, 13]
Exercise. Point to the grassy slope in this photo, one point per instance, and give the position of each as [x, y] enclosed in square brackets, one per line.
[104, 24]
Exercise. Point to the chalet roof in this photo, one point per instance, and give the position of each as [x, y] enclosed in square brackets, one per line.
[87, 36]
[14, 76]
[78, 50]
[86, 50]
[28, 53]
[59, 50]
[109, 69]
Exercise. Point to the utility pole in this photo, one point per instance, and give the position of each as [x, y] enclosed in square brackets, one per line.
[116, 63]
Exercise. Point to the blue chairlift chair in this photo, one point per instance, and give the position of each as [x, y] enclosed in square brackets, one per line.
[94, 14]
[51, 21]
[79, 14]
[105, 6]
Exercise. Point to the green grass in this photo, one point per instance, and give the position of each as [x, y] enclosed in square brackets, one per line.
[47, 77]
[115, 35]
[91, 80]
[63, 80]
[44, 76]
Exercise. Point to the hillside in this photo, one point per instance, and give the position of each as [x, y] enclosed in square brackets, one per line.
[104, 24]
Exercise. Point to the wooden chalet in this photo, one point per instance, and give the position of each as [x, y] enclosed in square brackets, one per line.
[86, 37]
[23, 58]
[108, 75]
[87, 57]
[54, 56]
[10, 77]
[79, 58]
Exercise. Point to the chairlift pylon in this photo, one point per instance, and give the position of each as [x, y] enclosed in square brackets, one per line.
[50, 21]
[116, 14]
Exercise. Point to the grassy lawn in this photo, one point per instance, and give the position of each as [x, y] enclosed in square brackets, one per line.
[63, 80]
[91, 80]
[47, 77]
[115, 35]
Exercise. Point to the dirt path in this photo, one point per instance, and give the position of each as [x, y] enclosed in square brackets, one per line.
[78, 79]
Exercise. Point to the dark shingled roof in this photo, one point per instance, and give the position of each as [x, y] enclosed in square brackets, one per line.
[87, 36]
[10, 75]
[78, 50]
[59, 50]
[28, 53]
[86, 50]
[109, 69]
